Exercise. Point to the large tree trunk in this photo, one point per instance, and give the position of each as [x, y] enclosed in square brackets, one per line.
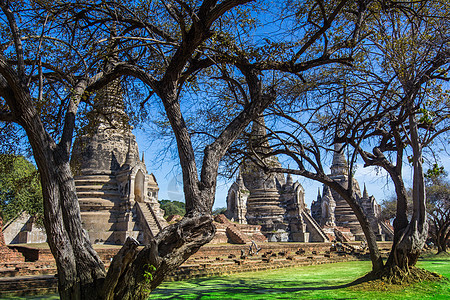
[375, 255]
[440, 244]
[411, 241]
[80, 271]
[442, 235]
[133, 274]
[401, 218]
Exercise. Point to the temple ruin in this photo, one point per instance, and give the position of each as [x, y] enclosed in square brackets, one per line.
[278, 205]
[118, 197]
[334, 214]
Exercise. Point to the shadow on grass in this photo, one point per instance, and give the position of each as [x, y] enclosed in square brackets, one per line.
[318, 282]
[217, 286]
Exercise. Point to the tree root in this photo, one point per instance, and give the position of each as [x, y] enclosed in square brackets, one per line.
[394, 278]
[396, 275]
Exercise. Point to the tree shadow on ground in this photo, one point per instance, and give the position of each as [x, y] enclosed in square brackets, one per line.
[217, 287]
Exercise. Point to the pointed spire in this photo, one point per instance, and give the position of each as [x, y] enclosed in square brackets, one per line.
[240, 181]
[319, 197]
[327, 192]
[339, 165]
[327, 196]
[143, 160]
[289, 180]
[108, 104]
[258, 137]
[239, 176]
[130, 157]
[365, 193]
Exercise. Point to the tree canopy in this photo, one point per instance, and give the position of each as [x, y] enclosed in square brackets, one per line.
[197, 63]
[438, 206]
[56, 55]
[172, 207]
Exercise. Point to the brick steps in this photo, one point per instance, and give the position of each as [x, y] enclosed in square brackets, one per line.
[95, 178]
[97, 192]
[99, 201]
[13, 269]
[149, 217]
[28, 285]
[236, 236]
[26, 272]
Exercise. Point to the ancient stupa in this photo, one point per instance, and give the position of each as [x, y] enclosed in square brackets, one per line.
[336, 216]
[117, 196]
[270, 200]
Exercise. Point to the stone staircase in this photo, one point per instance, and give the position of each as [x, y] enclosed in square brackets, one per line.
[148, 219]
[316, 233]
[236, 236]
[343, 234]
[387, 230]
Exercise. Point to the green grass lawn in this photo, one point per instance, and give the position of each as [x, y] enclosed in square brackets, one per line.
[328, 281]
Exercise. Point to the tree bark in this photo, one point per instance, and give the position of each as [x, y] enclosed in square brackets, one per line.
[441, 234]
[375, 255]
[171, 247]
[411, 241]
[401, 219]
[80, 270]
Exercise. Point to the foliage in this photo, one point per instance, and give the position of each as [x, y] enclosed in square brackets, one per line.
[389, 207]
[148, 270]
[173, 207]
[435, 175]
[219, 210]
[148, 276]
[20, 188]
[438, 207]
